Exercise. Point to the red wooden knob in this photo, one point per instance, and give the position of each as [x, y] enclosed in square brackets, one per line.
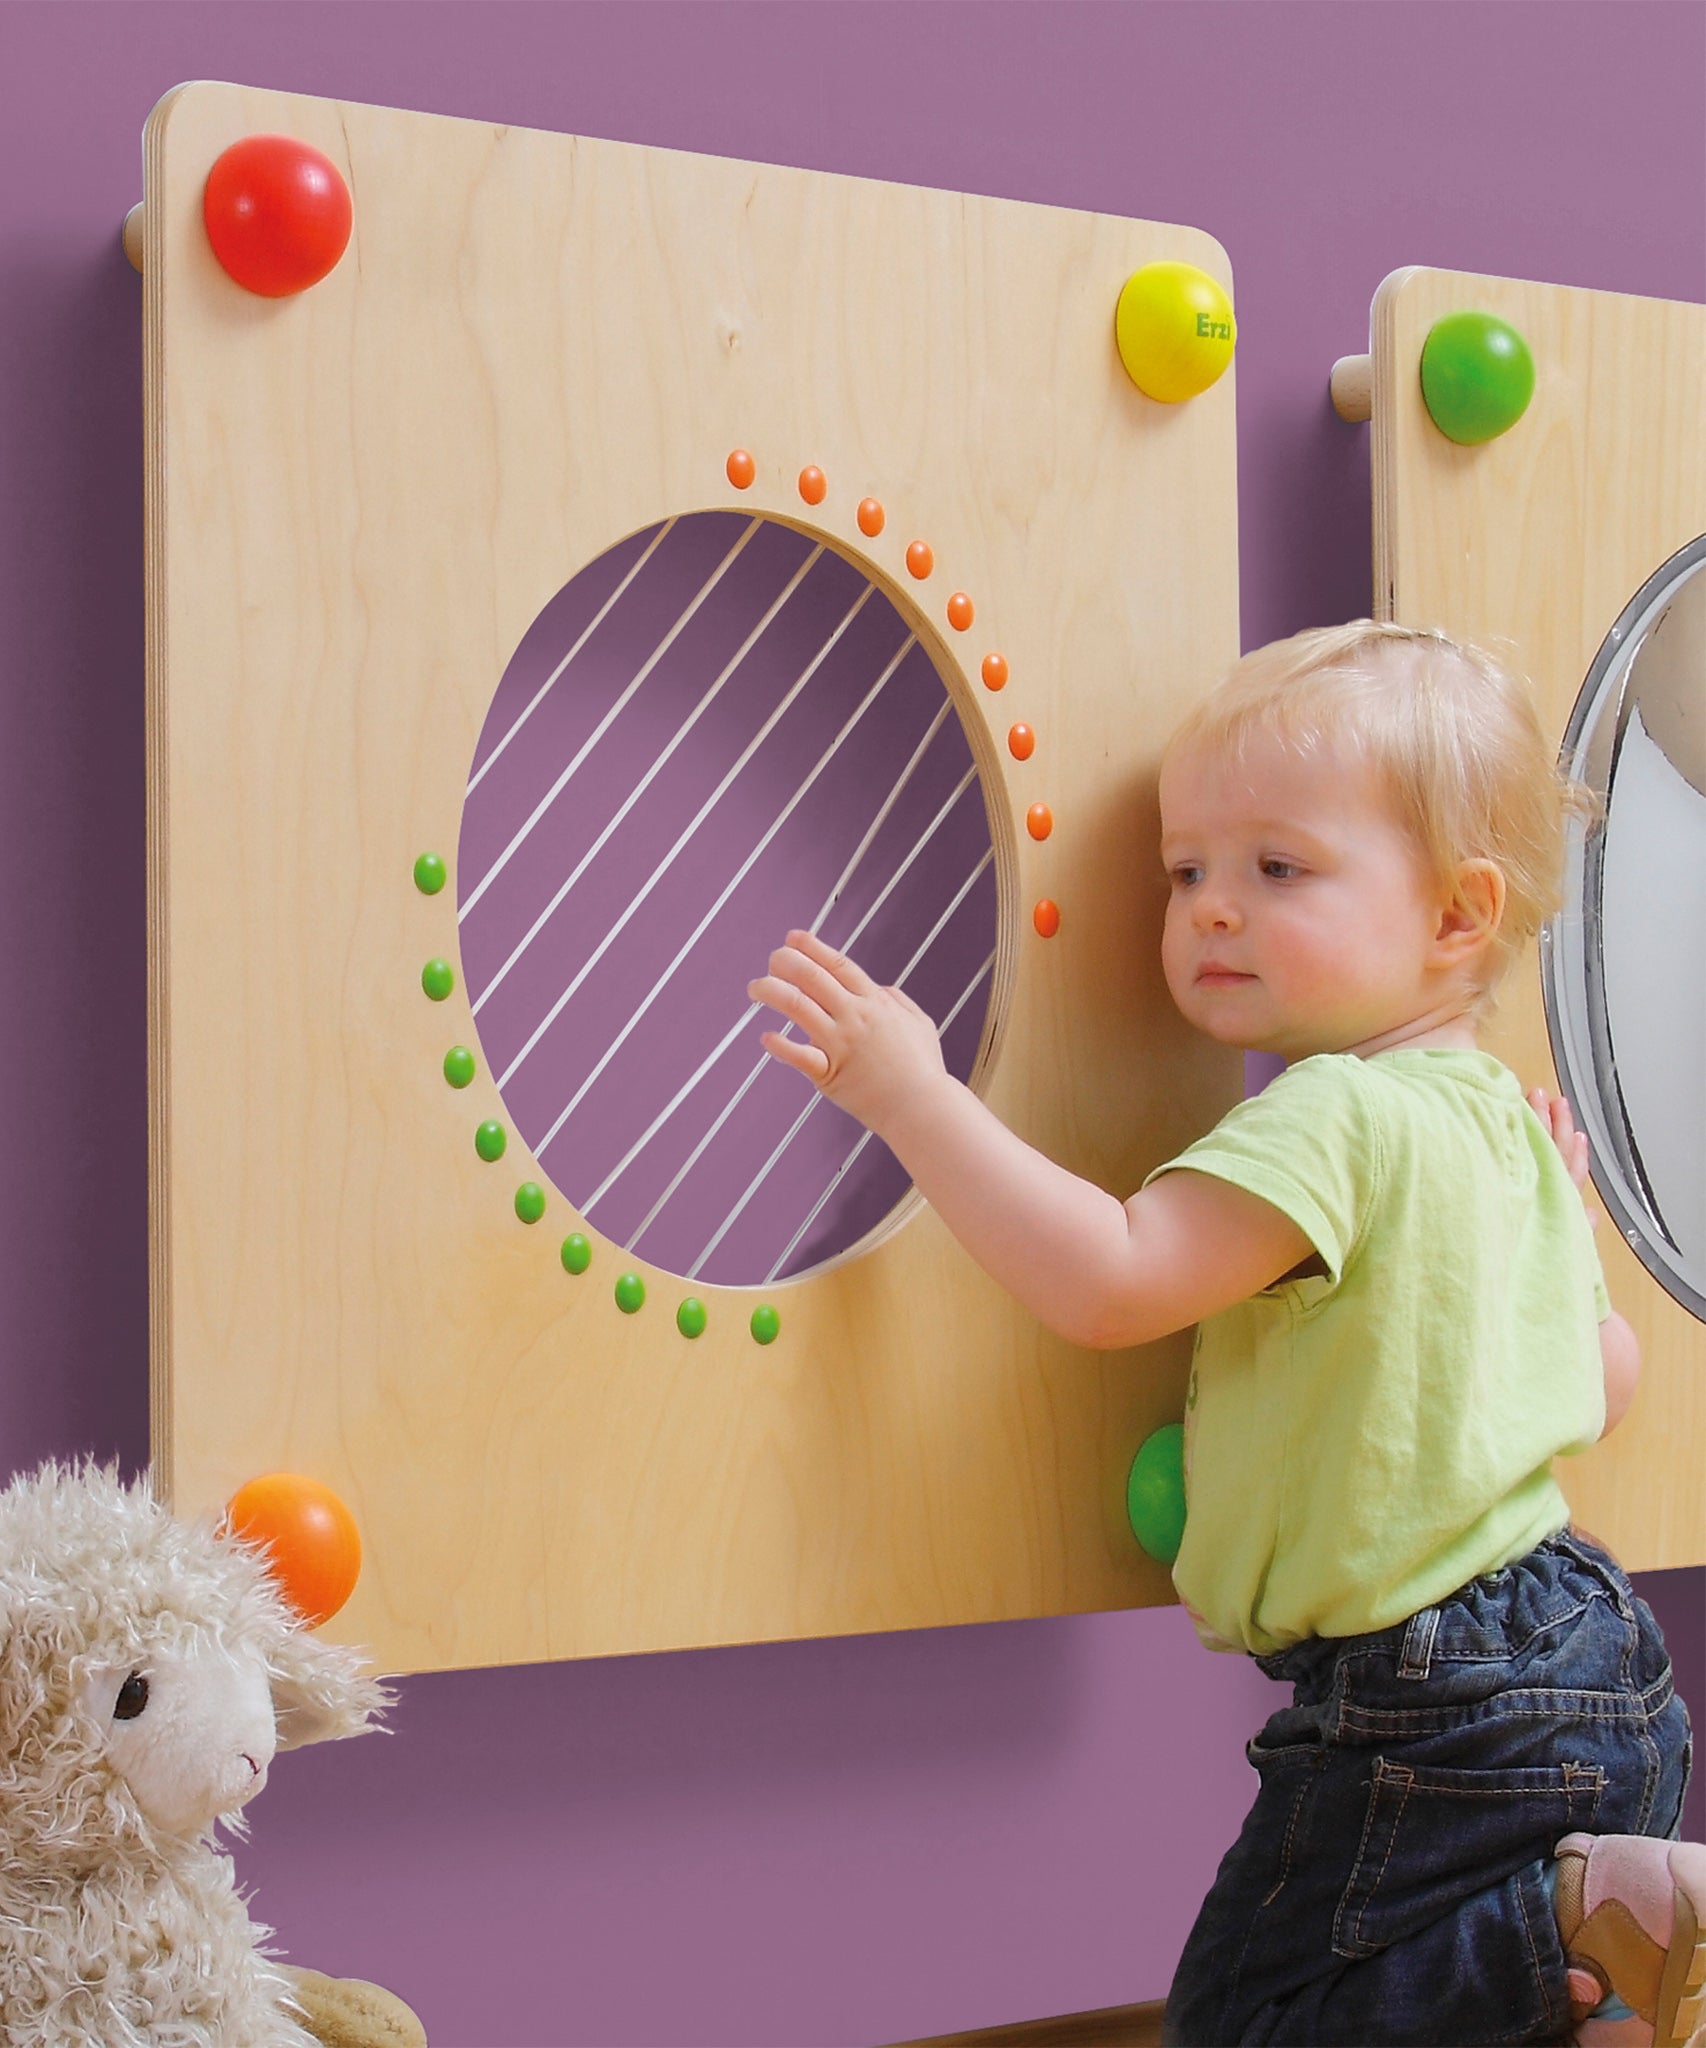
[277, 213]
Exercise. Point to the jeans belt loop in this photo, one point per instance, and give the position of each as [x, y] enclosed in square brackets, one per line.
[1417, 1658]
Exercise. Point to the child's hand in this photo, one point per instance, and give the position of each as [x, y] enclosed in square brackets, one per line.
[1555, 1113]
[870, 1050]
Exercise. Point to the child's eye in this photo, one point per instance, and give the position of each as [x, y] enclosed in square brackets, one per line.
[1184, 874]
[1280, 870]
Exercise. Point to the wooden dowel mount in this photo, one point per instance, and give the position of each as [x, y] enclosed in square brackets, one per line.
[131, 235]
[1352, 386]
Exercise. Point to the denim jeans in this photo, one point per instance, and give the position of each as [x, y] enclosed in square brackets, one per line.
[1390, 1884]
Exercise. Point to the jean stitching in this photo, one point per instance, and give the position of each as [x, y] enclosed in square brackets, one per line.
[1518, 2033]
[1417, 1658]
[1382, 1776]
[1580, 1706]
[1303, 1791]
[1237, 1974]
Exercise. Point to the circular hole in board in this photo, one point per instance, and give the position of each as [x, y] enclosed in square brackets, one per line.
[718, 730]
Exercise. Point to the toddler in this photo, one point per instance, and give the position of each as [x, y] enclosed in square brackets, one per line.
[1460, 1832]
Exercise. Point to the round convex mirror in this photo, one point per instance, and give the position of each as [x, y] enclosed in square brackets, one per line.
[1624, 963]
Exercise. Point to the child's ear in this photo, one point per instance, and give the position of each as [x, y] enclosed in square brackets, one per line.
[1473, 913]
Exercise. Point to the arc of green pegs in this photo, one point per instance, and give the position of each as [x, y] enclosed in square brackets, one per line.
[530, 1201]
[430, 873]
[576, 1253]
[766, 1324]
[630, 1293]
[490, 1140]
[438, 978]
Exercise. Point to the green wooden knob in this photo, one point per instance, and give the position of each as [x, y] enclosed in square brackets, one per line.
[490, 1140]
[766, 1324]
[1155, 1493]
[1477, 377]
[576, 1253]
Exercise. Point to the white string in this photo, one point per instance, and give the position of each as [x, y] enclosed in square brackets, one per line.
[741, 1022]
[698, 819]
[645, 781]
[864, 1137]
[730, 886]
[544, 689]
[798, 1124]
[687, 1087]
[604, 724]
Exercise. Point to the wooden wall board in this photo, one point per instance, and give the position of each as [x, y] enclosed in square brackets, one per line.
[358, 501]
[1532, 544]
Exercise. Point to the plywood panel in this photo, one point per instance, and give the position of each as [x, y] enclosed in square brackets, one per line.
[1532, 544]
[359, 502]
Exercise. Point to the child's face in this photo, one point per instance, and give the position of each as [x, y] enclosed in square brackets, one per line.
[1301, 918]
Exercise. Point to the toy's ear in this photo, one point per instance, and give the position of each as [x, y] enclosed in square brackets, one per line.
[321, 1692]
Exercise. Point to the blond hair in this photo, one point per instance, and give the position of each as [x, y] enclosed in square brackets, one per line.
[1452, 735]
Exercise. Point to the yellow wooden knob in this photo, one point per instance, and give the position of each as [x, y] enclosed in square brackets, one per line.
[1175, 330]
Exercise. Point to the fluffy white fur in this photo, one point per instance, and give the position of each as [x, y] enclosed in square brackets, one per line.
[120, 1924]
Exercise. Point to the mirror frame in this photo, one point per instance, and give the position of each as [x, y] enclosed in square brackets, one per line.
[1571, 958]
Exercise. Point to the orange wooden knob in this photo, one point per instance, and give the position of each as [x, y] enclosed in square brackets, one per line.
[1021, 742]
[994, 671]
[919, 560]
[813, 484]
[959, 611]
[1039, 821]
[742, 469]
[870, 517]
[312, 1544]
[1046, 918]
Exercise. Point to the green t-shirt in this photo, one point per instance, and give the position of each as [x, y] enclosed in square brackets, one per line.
[1359, 1445]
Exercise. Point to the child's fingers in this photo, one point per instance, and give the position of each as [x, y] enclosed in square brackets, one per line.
[810, 1060]
[847, 972]
[816, 981]
[778, 992]
[1560, 1120]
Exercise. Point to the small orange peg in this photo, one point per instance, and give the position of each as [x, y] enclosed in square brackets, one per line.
[312, 1543]
[742, 469]
[994, 671]
[919, 560]
[1021, 742]
[1039, 821]
[870, 517]
[959, 611]
[813, 484]
[1046, 918]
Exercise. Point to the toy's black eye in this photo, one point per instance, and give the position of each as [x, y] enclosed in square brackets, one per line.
[132, 1697]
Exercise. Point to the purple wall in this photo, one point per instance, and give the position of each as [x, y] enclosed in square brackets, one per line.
[836, 1842]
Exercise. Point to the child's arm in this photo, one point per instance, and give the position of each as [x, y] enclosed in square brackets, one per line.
[1097, 1271]
[1619, 1347]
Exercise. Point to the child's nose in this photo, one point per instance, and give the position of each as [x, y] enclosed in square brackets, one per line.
[1217, 909]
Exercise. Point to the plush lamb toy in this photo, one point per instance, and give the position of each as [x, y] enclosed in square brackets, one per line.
[149, 1669]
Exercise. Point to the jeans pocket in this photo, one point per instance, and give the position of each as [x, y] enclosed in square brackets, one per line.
[1433, 1838]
